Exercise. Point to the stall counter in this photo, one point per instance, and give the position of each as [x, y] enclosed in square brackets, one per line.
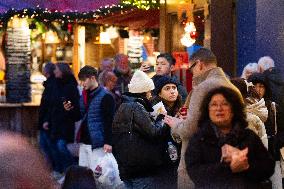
[21, 118]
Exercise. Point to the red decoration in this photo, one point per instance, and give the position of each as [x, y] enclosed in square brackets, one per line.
[193, 34]
[181, 69]
[69, 28]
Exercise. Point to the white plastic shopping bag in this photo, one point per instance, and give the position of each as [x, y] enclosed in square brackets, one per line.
[103, 164]
[85, 155]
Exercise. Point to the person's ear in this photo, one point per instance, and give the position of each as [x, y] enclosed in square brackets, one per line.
[172, 68]
[201, 65]
[93, 78]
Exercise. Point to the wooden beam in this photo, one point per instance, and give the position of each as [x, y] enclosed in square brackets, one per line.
[75, 62]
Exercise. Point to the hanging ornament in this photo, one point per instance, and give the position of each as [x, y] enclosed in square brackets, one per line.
[190, 34]
[193, 34]
[69, 27]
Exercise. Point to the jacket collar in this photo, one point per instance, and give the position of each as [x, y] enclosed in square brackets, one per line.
[209, 73]
[130, 97]
[95, 92]
[210, 134]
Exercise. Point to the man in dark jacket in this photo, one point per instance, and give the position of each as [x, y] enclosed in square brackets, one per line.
[97, 107]
[45, 142]
[123, 73]
[164, 67]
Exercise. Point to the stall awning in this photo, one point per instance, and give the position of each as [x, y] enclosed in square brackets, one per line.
[134, 19]
[60, 5]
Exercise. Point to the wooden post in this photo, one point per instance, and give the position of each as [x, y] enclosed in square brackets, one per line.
[75, 62]
[164, 36]
[223, 42]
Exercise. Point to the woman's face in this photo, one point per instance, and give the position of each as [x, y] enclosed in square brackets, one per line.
[57, 72]
[169, 92]
[149, 95]
[260, 88]
[220, 111]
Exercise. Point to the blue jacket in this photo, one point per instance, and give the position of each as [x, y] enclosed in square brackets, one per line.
[94, 116]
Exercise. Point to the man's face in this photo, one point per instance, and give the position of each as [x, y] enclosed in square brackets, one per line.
[89, 83]
[163, 67]
[123, 65]
[196, 68]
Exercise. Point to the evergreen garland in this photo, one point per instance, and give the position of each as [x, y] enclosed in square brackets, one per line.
[47, 16]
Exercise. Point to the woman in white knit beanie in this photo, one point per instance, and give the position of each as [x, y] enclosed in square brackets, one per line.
[137, 137]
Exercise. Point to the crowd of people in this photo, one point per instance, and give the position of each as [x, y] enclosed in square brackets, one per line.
[226, 133]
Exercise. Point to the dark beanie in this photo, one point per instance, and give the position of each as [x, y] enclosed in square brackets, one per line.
[161, 81]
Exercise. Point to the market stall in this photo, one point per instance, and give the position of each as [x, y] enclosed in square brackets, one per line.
[68, 32]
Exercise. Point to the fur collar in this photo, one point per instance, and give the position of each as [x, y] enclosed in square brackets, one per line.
[199, 79]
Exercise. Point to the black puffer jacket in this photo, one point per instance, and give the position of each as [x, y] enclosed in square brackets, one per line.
[204, 153]
[138, 150]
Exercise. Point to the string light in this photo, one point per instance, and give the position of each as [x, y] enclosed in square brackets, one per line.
[46, 15]
[142, 4]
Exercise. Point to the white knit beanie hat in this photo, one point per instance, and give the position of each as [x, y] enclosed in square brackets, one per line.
[140, 83]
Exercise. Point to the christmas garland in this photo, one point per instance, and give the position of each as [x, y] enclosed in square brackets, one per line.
[47, 16]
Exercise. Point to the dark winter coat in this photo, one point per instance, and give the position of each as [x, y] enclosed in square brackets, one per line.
[137, 150]
[204, 153]
[274, 143]
[275, 81]
[45, 100]
[62, 122]
[181, 89]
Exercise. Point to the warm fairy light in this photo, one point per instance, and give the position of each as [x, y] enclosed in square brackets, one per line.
[46, 15]
[142, 4]
[104, 38]
[51, 37]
